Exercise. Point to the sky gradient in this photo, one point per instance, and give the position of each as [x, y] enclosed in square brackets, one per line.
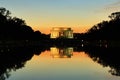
[80, 15]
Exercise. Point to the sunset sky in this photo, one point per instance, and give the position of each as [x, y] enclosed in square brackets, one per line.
[80, 15]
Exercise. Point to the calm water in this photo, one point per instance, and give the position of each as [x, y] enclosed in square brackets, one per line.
[58, 64]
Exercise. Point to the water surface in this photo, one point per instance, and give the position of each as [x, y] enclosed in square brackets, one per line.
[62, 64]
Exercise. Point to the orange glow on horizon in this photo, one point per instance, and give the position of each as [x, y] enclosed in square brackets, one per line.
[47, 29]
[47, 54]
[77, 25]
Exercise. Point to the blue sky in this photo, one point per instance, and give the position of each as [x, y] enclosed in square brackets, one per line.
[44, 14]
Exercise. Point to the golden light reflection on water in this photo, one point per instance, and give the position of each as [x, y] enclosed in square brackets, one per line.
[57, 65]
[63, 57]
[67, 52]
[61, 52]
[61, 60]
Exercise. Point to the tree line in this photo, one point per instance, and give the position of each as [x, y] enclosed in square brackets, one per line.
[13, 28]
[105, 30]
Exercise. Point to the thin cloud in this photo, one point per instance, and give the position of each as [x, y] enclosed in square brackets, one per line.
[115, 3]
[109, 8]
[113, 7]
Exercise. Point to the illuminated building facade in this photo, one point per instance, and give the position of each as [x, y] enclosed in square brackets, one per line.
[61, 32]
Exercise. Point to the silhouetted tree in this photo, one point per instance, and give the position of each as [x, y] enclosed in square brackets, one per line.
[115, 15]
[13, 28]
[106, 30]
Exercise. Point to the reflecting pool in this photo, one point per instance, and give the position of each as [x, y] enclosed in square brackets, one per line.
[59, 64]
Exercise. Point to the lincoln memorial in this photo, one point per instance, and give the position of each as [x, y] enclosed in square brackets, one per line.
[61, 32]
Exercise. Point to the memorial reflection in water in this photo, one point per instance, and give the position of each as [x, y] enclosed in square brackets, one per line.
[61, 52]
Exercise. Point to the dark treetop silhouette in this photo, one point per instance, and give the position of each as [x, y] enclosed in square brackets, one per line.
[13, 28]
[106, 30]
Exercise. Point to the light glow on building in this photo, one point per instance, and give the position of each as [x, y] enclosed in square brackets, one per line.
[61, 32]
